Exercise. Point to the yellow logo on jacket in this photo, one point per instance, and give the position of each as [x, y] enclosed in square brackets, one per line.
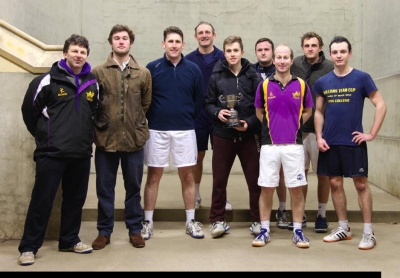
[296, 95]
[62, 93]
[90, 96]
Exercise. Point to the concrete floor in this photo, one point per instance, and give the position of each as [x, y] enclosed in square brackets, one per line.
[170, 249]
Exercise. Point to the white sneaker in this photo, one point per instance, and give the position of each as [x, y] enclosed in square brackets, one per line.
[300, 239]
[193, 228]
[147, 230]
[218, 228]
[197, 204]
[26, 258]
[368, 242]
[261, 239]
[255, 228]
[228, 205]
[338, 234]
[80, 248]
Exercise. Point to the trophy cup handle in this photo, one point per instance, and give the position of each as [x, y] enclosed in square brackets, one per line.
[222, 98]
[239, 97]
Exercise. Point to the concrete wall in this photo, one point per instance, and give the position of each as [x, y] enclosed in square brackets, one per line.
[370, 25]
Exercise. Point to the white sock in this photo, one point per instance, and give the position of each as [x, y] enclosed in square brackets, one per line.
[148, 215]
[282, 206]
[265, 225]
[297, 226]
[197, 186]
[322, 209]
[344, 224]
[189, 215]
[367, 228]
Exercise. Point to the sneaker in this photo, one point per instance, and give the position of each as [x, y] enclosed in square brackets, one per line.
[338, 234]
[147, 230]
[300, 240]
[197, 205]
[255, 228]
[261, 239]
[321, 224]
[80, 248]
[193, 228]
[26, 258]
[304, 224]
[218, 228]
[228, 205]
[282, 218]
[368, 242]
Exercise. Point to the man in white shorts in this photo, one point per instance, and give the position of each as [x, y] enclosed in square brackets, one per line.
[288, 95]
[177, 97]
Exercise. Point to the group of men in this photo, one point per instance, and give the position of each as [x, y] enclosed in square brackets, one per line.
[171, 108]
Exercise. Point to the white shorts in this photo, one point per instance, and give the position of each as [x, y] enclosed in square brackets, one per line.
[180, 144]
[290, 156]
[310, 151]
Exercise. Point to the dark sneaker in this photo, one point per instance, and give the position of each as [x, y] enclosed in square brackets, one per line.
[321, 224]
[304, 224]
[282, 218]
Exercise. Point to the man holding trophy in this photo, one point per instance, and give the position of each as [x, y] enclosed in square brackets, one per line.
[230, 104]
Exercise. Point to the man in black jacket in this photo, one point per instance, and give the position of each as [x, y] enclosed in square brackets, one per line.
[58, 110]
[311, 66]
[236, 77]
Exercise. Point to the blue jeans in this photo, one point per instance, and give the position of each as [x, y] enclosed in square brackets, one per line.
[106, 164]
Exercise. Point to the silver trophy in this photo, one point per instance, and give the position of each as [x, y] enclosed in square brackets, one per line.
[231, 101]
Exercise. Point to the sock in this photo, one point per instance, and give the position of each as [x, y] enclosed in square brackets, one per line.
[282, 206]
[197, 186]
[322, 209]
[265, 225]
[344, 224]
[367, 228]
[148, 215]
[297, 226]
[189, 215]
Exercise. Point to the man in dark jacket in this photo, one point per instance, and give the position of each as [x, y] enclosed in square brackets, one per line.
[311, 66]
[58, 110]
[233, 76]
[121, 132]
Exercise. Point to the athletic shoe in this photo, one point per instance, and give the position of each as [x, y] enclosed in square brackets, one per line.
[80, 248]
[193, 228]
[261, 239]
[228, 205]
[197, 205]
[304, 224]
[147, 230]
[26, 258]
[368, 242]
[218, 228]
[321, 224]
[255, 228]
[282, 218]
[338, 234]
[300, 240]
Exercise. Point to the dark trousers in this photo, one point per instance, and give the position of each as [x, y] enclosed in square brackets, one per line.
[73, 174]
[224, 154]
[132, 164]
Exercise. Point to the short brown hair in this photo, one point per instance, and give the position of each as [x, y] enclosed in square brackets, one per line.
[119, 28]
